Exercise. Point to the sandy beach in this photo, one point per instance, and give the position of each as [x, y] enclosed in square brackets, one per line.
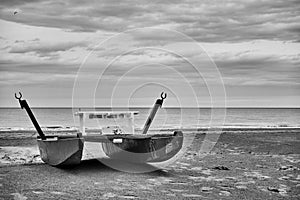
[244, 164]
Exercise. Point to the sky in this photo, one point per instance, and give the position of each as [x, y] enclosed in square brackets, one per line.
[125, 53]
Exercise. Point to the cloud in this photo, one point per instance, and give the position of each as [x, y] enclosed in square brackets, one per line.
[259, 70]
[17, 2]
[255, 44]
[205, 21]
[44, 48]
[50, 74]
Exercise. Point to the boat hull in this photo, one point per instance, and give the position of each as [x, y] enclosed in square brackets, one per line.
[143, 148]
[61, 151]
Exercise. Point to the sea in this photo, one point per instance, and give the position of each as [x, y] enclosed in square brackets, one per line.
[16, 119]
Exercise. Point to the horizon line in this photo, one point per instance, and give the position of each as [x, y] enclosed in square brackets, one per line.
[61, 107]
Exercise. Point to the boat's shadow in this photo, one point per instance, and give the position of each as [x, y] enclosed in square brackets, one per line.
[106, 165]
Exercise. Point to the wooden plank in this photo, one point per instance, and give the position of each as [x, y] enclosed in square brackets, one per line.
[106, 112]
[101, 138]
[106, 138]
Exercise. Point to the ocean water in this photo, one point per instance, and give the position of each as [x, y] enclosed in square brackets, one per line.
[166, 118]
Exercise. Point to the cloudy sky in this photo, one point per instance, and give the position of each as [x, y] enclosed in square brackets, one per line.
[60, 53]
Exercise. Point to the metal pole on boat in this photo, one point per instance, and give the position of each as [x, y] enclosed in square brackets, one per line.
[24, 104]
[157, 105]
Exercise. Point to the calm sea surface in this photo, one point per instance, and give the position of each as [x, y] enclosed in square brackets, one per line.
[16, 118]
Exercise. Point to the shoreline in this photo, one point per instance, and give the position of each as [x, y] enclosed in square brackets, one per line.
[61, 129]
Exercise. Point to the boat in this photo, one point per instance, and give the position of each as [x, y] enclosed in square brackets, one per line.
[61, 151]
[137, 148]
[55, 150]
[143, 148]
[120, 144]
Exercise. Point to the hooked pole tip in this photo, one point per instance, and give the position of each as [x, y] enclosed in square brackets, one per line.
[163, 96]
[19, 96]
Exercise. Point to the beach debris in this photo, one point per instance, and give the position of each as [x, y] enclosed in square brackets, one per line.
[284, 178]
[221, 167]
[224, 193]
[206, 189]
[288, 168]
[284, 167]
[255, 174]
[282, 190]
[6, 157]
[17, 155]
[18, 196]
[273, 189]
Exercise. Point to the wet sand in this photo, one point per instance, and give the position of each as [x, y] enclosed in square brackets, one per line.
[244, 164]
